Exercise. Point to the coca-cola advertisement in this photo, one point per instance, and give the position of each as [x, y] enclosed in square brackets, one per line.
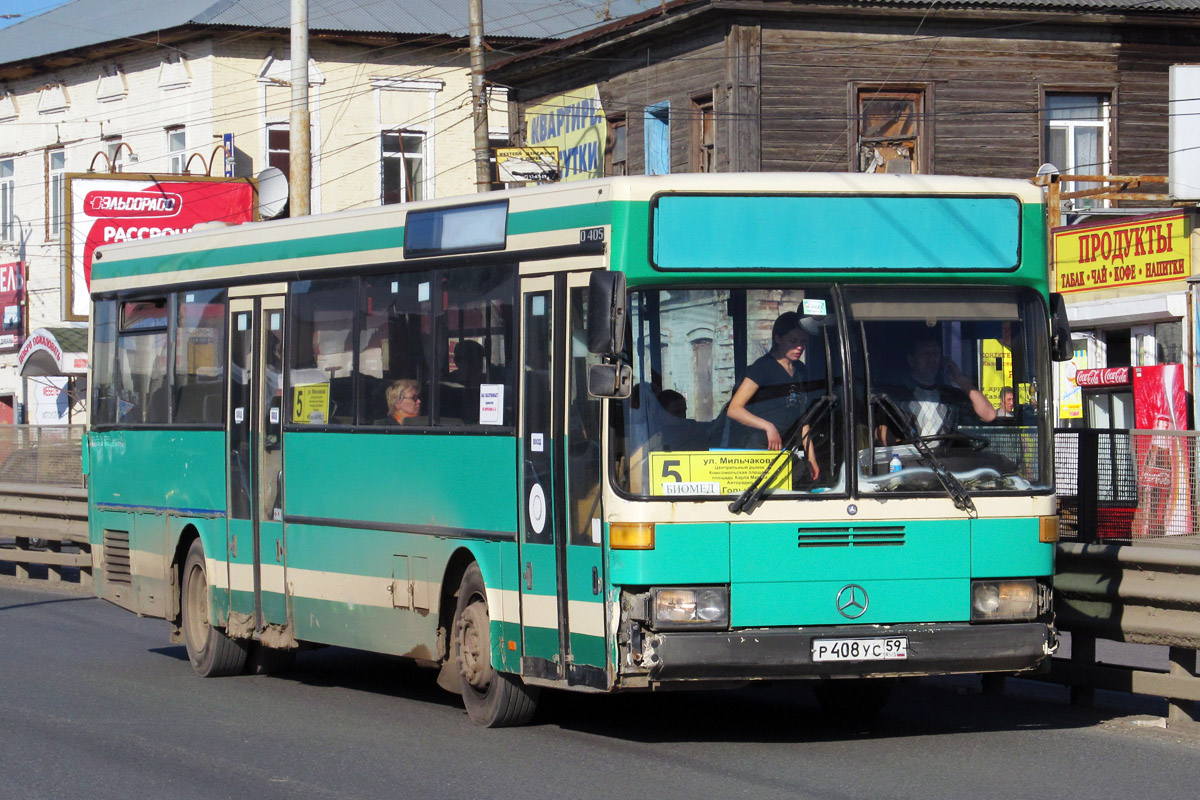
[1104, 376]
[109, 209]
[1164, 489]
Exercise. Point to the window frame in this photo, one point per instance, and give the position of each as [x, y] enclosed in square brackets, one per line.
[704, 134]
[56, 193]
[8, 199]
[613, 166]
[407, 190]
[176, 156]
[656, 136]
[1107, 125]
[922, 93]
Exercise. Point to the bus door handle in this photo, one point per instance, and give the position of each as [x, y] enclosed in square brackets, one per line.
[529, 575]
[595, 580]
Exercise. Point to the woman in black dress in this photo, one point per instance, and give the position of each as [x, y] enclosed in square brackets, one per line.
[771, 397]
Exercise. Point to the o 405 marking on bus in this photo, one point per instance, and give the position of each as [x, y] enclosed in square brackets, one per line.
[587, 235]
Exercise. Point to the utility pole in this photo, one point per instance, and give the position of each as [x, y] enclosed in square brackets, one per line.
[483, 168]
[299, 138]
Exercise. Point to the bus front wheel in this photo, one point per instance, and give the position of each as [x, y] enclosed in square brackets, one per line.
[493, 699]
[212, 653]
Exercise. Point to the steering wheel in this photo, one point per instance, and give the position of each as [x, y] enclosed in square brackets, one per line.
[977, 443]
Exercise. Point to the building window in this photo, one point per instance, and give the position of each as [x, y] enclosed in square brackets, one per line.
[115, 153]
[704, 135]
[279, 140]
[177, 150]
[890, 130]
[702, 369]
[8, 215]
[1168, 342]
[403, 167]
[1077, 139]
[618, 146]
[496, 140]
[658, 139]
[56, 182]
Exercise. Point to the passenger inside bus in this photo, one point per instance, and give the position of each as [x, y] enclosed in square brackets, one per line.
[460, 395]
[404, 404]
[935, 394]
[771, 398]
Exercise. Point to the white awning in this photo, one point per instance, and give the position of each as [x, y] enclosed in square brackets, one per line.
[54, 351]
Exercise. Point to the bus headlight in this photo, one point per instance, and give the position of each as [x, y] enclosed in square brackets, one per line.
[1003, 600]
[695, 608]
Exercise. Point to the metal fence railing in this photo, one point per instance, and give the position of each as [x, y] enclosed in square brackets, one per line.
[43, 502]
[1118, 486]
[47, 455]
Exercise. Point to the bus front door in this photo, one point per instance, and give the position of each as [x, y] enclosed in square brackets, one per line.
[541, 534]
[257, 564]
[562, 609]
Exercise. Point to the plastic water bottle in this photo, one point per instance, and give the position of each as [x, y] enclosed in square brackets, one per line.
[895, 465]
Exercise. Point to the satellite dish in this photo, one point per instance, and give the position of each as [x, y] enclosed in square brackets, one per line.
[1047, 169]
[272, 192]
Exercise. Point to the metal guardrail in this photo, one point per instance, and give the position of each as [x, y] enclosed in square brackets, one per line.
[1143, 594]
[42, 520]
[43, 502]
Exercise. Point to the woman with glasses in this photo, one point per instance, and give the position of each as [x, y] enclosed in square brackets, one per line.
[404, 404]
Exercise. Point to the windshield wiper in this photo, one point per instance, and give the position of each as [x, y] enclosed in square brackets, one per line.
[748, 500]
[958, 492]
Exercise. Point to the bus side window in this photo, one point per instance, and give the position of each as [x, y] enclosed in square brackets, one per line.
[475, 334]
[394, 343]
[199, 356]
[322, 324]
[104, 357]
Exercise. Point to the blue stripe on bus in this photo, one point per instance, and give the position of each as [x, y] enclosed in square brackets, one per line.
[145, 509]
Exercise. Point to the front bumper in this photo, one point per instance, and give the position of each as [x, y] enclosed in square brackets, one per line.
[933, 649]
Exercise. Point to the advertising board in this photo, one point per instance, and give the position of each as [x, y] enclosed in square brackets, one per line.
[107, 209]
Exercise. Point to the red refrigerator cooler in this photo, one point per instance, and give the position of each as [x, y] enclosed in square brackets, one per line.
[1163, 474]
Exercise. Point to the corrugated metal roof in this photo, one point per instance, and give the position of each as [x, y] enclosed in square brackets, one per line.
[84, 23]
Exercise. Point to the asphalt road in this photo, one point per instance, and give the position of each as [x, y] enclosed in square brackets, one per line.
[94, 703]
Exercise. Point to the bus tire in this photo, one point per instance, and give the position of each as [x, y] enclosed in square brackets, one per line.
[212, 653]
[854, 698]
[493, 699]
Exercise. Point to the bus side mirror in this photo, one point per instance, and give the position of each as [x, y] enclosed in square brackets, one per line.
[606, 313]
[613, 381]
[1061, 348]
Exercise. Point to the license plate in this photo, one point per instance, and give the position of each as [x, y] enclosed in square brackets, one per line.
[892, 648]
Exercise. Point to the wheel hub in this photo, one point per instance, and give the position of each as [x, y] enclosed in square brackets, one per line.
[475, 661]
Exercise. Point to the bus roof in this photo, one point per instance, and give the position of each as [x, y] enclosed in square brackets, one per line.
[547, 216]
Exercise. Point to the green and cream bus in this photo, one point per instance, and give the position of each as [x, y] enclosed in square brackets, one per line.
[505, 435]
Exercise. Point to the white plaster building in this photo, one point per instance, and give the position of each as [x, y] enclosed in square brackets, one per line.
[151, 87]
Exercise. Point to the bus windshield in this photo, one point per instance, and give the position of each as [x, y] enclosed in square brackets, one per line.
[828, 391]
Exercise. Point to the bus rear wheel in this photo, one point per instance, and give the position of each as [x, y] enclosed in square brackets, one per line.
[212, 653]
[493, 699]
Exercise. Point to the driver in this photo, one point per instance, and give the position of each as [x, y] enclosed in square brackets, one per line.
[936, 392]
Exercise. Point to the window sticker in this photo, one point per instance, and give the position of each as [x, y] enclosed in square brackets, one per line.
[491, 404]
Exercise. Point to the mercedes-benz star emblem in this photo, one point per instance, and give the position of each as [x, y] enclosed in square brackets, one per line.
[852, 601]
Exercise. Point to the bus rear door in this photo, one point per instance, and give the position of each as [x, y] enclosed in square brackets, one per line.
[257, 557]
